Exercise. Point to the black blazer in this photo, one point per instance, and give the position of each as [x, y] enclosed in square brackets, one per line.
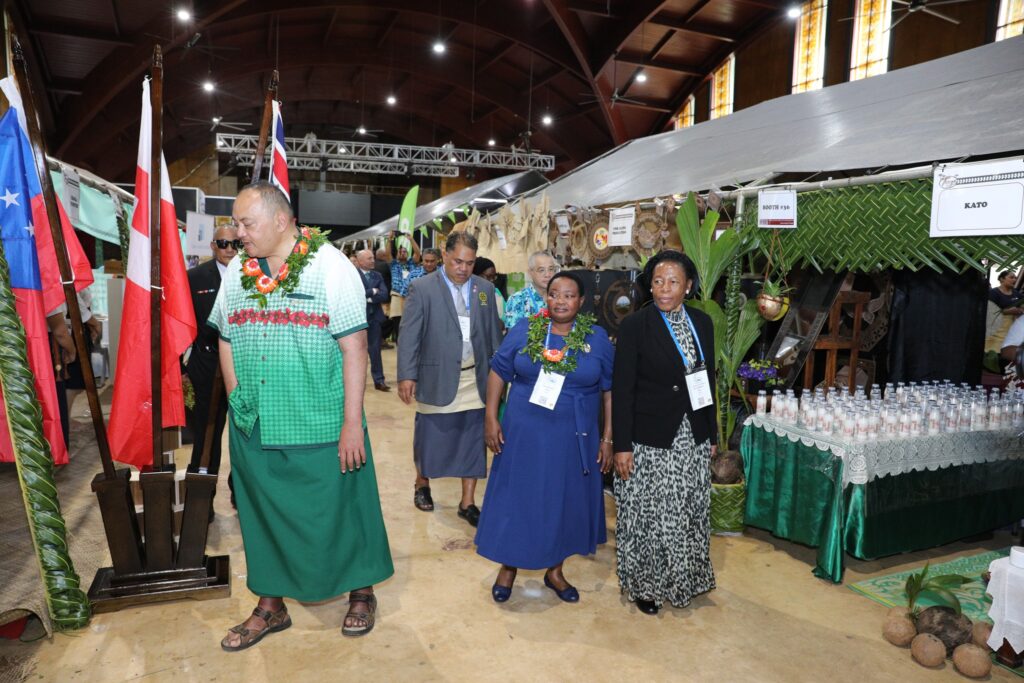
[204, 283]
[373, 280]
[649, 395]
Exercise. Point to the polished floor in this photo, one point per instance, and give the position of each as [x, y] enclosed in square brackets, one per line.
[769, 619]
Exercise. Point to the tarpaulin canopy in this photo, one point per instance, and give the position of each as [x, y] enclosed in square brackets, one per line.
[484, 196]
[97, 212]
[967, 104]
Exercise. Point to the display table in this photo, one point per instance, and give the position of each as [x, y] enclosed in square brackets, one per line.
[879, 498]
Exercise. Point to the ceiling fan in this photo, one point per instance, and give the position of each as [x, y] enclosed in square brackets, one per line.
[909, 7]
[360, 130]
[591, 98]
[218, 122]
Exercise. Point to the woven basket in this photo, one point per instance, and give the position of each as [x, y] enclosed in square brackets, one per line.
[597, 238]
[727, 505]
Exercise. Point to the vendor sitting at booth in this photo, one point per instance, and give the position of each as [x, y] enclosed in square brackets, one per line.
[531, 300]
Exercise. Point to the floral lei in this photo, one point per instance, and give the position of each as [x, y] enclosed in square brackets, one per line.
[253, 280]
[558, 360]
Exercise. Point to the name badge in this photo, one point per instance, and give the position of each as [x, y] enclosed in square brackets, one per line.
[464, 326]
[700, 388]
[547, 389]
[405, 274]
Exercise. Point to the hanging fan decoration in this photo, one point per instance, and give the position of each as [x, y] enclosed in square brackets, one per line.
[598, 237]
[649, 233]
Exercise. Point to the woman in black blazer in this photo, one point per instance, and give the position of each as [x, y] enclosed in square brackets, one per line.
[664, 432]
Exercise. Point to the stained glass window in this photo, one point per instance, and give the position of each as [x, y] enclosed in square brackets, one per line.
[1011, 19]
[684, 119]
[809, 50]
[721, 88]
[870, 38]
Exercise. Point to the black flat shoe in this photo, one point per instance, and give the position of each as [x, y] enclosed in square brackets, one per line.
[647, 607]
[422, 499]
[471, 514]
[567, 594]
[502, 593]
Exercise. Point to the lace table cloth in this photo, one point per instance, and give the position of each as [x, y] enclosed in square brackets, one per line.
[866, 461]
[1007, 590]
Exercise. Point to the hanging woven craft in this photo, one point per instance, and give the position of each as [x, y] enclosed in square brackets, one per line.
[597, 238]
[578, 240]
[648, 233]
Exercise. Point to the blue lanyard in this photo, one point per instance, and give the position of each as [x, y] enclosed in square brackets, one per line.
[679, 346]
[547, 339]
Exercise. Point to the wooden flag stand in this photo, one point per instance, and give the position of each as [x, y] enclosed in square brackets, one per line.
[147, 568]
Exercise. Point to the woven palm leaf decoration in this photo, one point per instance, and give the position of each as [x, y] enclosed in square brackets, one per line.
[68, 604]
[648, 233]
[597, 237]
[873, 227]
[578, 241]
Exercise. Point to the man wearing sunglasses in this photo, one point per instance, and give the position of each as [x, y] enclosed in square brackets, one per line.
[204, 282]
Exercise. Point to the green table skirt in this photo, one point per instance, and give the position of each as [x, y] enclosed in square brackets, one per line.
[796, 492]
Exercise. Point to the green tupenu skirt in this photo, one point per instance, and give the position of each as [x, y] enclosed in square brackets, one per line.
[311, 533]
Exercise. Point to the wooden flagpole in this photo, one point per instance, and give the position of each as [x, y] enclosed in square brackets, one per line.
[67, 277]
[268, 115]
[156, 290]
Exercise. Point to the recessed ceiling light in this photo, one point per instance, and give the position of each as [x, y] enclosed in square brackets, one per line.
[216, 119]
[547, 120]
[491, 142]
[392, 99]
[184, 15]
[208, 86]
[438, 47]
[361, 130]
[641, 77]
[793, 13]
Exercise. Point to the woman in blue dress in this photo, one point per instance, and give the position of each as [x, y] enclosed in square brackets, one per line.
[544, 499]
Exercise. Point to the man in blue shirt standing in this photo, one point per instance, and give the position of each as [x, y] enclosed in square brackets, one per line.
[403, 272]
[531, 300]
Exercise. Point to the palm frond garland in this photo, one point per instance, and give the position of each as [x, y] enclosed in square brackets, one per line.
[68, 604]
[874, 227]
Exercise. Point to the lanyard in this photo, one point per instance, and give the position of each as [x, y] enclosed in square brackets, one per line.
[679, 346]
[547, 339]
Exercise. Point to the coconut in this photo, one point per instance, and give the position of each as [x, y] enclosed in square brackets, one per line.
[727, 468]
[980, 634]
[927, 650]
[972, 661]
[901, 612]
[943, 622]
[899, 630]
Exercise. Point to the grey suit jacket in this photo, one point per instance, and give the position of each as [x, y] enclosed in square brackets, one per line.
[430, 339]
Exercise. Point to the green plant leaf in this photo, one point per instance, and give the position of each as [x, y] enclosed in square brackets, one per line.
[949, 581]
[942, 596]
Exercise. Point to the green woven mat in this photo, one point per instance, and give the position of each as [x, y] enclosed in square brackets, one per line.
[888, 589]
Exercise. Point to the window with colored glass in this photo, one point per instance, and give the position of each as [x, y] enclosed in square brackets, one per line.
[809, 50]
[1011, 19]
[684, 119]
[870, 38]
[721, 88]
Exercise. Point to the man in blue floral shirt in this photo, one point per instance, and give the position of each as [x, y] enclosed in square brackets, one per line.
[531, 300]
[403, 272]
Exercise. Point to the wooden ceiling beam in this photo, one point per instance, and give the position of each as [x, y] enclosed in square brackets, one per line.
[597, 8]
[497, 56]
[388, 28]
[330, 27]
[686, 25]
[62, 30]
[664, 64]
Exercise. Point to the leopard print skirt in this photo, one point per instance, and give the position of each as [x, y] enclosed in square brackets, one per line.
[662, 530]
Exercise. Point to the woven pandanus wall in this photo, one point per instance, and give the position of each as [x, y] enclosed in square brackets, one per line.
[873, 227]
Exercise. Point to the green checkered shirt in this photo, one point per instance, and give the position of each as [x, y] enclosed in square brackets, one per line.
[286, 356]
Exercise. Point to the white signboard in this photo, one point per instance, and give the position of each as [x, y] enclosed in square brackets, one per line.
[563, 224]
[72, 192]
[985, 198]
[776, 209]
[620, 226]
[198, 234]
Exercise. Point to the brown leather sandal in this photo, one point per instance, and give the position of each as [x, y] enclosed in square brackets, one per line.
[275, 621]
[368, 618]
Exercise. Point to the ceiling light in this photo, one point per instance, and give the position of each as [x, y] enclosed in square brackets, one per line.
[491, 142]
[793, 12]
[184, 15]
[220, 143]
[361, 130]
[452, 158]
[438, 47]
[641, 76]
[547, 120]
[216, 119]
[392, 99]
[208, 86]
[342, 150]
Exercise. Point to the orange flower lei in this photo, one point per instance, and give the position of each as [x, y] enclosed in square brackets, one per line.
[557, 360]
[310, 240]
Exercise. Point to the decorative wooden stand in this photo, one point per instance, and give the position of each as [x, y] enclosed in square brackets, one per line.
[832, 342]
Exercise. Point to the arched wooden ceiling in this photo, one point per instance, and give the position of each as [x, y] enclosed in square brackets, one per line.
[507, 63]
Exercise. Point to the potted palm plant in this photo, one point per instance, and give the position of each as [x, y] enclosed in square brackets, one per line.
[736, 329]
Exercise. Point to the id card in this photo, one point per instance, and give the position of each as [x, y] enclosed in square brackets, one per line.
[699, 386]
[547, 389]
[464, 326]
[405, 274]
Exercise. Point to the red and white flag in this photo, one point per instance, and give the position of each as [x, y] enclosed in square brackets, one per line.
[278, 156]
[38, 265]
[131, 415]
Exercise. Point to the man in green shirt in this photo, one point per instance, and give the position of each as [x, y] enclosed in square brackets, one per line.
[291, 314]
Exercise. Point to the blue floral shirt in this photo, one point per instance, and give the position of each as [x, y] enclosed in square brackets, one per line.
[402, 274]
[523, 304]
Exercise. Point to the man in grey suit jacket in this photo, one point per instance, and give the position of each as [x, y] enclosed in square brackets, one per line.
[449, 331]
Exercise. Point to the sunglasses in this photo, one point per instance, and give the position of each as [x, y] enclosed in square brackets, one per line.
[224, 244]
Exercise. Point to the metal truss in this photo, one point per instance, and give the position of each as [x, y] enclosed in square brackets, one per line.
[310, 153]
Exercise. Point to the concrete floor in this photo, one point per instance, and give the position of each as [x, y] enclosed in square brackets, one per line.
[769, 619]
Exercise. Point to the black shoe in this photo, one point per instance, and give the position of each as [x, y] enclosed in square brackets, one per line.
[422, 499]
[381, 386]
[471, 514]
[647, 607]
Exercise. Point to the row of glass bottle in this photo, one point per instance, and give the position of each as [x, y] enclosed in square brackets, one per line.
[909, 410]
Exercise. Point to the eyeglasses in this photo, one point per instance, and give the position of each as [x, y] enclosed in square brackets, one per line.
[224, 244]
[550, 270]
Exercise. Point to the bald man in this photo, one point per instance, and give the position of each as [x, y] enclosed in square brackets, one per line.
[376, 294]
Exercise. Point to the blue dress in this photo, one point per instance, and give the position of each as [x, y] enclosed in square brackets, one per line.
[544, 499]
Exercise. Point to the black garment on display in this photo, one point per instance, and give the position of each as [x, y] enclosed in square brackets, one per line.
[938, 326]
